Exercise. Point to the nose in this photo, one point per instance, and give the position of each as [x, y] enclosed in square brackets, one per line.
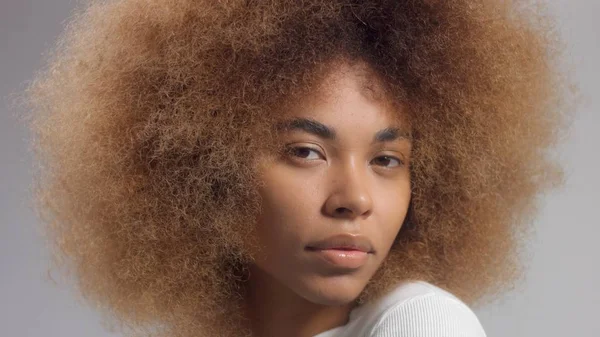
[350, 196]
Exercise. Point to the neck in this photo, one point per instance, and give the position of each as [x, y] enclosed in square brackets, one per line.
[275, 310]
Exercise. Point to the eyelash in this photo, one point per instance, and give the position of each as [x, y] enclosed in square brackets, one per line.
[293, 149]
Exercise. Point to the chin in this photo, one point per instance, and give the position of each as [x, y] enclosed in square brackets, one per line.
[333, 290]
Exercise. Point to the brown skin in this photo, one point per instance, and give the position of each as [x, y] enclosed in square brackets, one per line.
[150, 115]
[325, 187]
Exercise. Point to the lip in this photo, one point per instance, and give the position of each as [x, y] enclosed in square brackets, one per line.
[344, 251]
[341, 259]
[343, 242]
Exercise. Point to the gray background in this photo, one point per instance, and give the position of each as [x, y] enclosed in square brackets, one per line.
[560, 296]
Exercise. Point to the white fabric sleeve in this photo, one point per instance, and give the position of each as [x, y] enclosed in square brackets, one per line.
[429, 315]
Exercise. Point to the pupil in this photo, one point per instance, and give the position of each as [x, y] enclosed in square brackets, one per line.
[303, 152]
[384, 160]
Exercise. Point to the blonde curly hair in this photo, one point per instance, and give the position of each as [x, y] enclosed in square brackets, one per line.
[150, 111]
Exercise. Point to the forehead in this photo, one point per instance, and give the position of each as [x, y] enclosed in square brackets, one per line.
[350, 95]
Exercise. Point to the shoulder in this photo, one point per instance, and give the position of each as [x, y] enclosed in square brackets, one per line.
[417, 308]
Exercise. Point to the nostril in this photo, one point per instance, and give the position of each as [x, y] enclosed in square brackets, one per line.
[342, 210]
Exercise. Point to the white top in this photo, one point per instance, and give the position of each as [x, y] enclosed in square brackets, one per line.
[412, 309]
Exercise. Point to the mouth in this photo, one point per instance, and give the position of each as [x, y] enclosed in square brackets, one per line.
[341, 258]
[344, 251]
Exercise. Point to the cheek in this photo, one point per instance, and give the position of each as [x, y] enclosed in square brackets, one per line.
[289, 206]
[393, 207]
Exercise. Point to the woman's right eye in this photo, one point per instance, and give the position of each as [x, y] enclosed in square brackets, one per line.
[305, 153]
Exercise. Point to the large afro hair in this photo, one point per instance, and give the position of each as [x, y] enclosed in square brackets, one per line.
[148, 118]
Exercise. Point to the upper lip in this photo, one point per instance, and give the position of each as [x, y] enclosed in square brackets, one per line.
[344, 241]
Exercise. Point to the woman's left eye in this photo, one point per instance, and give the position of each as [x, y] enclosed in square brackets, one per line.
[387, 161]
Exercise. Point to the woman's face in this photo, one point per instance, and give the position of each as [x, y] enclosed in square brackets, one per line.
[335, 199]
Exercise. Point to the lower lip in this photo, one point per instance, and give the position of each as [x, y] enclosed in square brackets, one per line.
[351, 259]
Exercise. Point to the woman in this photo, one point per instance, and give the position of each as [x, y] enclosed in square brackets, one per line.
[296, 168]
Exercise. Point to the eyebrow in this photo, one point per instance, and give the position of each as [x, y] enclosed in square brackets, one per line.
[321, 130]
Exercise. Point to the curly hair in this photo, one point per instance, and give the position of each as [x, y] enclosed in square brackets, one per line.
[150, 114]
